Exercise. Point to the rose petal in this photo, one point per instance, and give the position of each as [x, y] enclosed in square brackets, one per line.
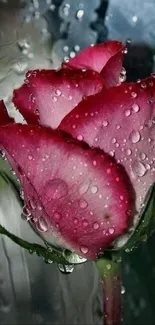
[4, 117]
[105, 58]
[121, 121]
[77, 192]
[48, 95]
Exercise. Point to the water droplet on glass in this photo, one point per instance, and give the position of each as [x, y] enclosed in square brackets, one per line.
[66, 269]
[135, 108]
[138, 168]
[134, 136]
[84, 249]
[42, 224]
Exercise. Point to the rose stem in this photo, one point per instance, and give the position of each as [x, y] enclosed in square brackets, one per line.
[109, 271]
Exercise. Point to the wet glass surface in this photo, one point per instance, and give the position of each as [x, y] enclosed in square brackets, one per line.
[40, 34]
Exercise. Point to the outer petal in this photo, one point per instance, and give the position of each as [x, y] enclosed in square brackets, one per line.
[77, 193]
[4, 117]
[48, 95]
[121, 121]
[105, 58]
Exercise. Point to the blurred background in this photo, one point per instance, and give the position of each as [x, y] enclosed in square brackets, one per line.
[41, 34]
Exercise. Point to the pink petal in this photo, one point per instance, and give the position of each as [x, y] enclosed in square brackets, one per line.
[106, 58]
[4, 117]
[121, 121]
[75, 193]
[48, 95]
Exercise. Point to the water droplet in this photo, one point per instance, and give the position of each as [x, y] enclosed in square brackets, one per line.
[111, 230]
[72, 54]
[142, 156]
[95, 225]
[55, 189]
[80, 14]
[57, 216]
[48, 261]
[118, 127]
[42, 224]
[20, 67]
[84, 249]
[22, 194]
[94, 189]
[128, 152]
[108, 170]
[26, 213]
[138, 168]
[134, 136]
[77, 48]
[133, 94]
[80, 137]
[58, 92]
[108, 266]
[83, 204]
[85, 223]
[121, 197]
[135, 108]
[66, 269]
[66, 9]
[76, 221]
[143, 85]
[114, 140]
[105, 123]
[84, 188]
[54, 99]
[127, 112]
[122, 290]
[94, 162]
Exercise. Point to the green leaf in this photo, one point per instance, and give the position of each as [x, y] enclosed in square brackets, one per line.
[146, 224]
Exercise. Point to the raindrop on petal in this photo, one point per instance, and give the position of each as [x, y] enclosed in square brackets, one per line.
[42, 224]
[134, 136]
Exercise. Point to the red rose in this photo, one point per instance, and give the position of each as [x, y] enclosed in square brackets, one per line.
[86, 156]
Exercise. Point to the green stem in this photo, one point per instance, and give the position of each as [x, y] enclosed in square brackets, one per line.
[47, 253]
[109, 271]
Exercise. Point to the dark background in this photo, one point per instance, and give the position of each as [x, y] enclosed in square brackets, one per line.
[41, 34]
